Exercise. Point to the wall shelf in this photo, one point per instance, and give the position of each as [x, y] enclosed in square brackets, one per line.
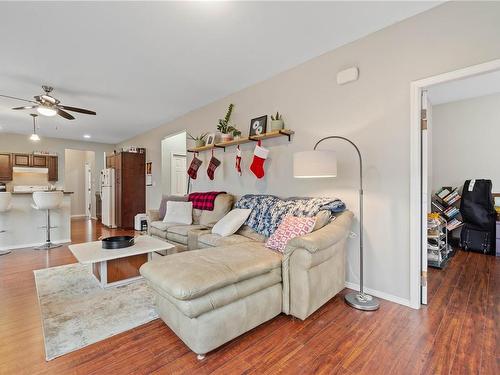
[278, 133]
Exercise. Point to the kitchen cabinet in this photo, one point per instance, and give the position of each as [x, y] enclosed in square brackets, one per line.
[38, 161]
[52, 165]
[130, 186]
[21, 160]
[5, 167]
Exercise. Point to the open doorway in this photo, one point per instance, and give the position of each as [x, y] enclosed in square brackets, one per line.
[174, 165]
[79, 178]
[454, 128]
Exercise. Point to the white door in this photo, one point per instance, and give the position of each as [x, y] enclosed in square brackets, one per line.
[425, 178]
[178, 174]
[88, 191]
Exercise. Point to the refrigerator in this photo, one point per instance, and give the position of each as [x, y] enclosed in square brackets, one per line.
[108, 197]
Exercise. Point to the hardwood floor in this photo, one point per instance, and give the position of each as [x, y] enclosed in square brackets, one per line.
[457, 333]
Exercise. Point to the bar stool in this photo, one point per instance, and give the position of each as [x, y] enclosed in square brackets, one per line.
[47, 200]
[5, 205]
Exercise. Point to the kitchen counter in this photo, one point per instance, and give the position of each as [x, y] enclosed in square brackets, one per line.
[23, 223]
[30, 192]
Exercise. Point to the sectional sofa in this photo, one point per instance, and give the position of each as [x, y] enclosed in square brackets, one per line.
[224, 287]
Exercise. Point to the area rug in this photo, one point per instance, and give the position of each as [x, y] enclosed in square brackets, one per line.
[77, 312]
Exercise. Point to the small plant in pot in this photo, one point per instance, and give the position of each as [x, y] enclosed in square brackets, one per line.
[199, 141]
[227, 130]
[277, 122]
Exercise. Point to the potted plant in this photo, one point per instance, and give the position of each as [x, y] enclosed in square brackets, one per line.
[277, 122]
[227, 130]
[199, 141]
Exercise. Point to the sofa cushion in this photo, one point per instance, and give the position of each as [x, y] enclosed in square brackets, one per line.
[322, 218]
[195, 273]
[160, 225]
[157, 232]
[223, 296]
[246, 231]
[183, 230]
[222, 205]
[212, 239]
[165, 199]
[174, 237]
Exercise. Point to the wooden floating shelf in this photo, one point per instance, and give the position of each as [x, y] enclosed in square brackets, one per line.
[278, 133]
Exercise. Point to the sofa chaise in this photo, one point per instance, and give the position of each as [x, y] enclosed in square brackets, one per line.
[224, 287]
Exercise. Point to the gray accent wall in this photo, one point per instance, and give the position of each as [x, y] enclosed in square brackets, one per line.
[374, 112]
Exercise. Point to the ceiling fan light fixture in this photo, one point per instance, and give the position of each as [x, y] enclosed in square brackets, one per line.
[34, 137]
[46, 110]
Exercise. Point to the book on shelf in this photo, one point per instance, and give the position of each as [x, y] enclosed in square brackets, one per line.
[438, 205]
[443, 192]
[453, 224]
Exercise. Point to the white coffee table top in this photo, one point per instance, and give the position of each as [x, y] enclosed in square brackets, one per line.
[92, 252]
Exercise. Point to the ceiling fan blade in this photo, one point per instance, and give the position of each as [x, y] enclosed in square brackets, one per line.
[13, 97]
[79, 110]
[28, 107]
[64, 114]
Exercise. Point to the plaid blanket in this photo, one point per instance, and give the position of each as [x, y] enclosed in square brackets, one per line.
[204, 201]
[268, 210]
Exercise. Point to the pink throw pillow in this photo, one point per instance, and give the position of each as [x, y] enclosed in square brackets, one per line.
[290, 227]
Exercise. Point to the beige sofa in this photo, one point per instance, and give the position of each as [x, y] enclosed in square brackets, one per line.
[211, 295]
[177, 234]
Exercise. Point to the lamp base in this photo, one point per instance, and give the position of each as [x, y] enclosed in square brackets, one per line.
[362, 301]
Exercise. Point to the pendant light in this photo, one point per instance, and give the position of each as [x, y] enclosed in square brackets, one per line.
[34, 137]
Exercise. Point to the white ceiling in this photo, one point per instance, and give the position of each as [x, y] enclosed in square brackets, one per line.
[140, 65]
[472, 87]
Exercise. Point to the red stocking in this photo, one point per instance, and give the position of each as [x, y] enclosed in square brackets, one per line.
[212, 166]
[259, 156]
[193, 167]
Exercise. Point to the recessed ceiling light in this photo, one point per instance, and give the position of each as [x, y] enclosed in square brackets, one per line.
[87, 136]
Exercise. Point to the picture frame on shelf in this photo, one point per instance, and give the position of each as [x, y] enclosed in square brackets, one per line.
[210, 139]
[258, 126]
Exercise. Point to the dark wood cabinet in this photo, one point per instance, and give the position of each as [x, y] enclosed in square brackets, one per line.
[52, 165]
[130, 186]
[21, 160]
[5, 167]
[39, 161]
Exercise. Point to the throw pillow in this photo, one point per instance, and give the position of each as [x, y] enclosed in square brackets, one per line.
[179, 212]
[290, 227]
[231, 222]
[165, 199]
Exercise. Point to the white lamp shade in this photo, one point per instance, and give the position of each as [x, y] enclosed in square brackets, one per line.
[314, 164]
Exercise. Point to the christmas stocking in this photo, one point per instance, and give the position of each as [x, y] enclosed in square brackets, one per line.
[259, 156]
[212, 166]
[238, 160]
[193, 167]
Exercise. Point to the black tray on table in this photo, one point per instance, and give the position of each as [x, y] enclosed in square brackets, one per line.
[117, 242]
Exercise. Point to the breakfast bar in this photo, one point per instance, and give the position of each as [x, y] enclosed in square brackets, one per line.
[24, 225]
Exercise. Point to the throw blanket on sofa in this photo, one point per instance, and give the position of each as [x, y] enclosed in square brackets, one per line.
[204, 201]
[268, 210]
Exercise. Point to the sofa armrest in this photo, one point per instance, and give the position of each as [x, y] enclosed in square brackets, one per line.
[323, 238]
[153, 215]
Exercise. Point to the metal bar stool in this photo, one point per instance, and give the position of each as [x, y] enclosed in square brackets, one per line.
[5, 205]
[47, 200]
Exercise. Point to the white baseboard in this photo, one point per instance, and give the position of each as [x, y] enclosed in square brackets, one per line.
[379, 294]
[26, 245]
[78, 216]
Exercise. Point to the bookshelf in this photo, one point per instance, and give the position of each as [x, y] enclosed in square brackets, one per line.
[445, 203]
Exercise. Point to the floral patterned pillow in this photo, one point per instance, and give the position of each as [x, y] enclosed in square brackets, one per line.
[290, 227]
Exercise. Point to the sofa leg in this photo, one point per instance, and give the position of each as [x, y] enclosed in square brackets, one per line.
[200, 357]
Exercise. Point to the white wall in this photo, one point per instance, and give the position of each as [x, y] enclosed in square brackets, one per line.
[374, 112]
[74, 179]
[173, 144]
[466, 138]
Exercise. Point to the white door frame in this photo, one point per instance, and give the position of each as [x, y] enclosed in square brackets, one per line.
[416, 226]
[88, 190]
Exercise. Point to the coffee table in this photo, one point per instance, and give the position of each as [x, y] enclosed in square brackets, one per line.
[118, 266]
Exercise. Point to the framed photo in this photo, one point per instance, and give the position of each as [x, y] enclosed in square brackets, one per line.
[149, 165]
[149, 173]
[258, 126]
[210, 139]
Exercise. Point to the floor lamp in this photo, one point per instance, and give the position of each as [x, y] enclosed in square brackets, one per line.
[321, 164]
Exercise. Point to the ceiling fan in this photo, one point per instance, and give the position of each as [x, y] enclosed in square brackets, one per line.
[47, 105]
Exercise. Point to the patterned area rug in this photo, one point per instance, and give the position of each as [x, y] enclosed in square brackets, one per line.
[77, 312]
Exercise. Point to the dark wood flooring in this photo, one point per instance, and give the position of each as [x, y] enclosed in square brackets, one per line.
[457, 333]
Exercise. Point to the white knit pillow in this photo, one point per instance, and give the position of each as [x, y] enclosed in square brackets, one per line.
[179, 212]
